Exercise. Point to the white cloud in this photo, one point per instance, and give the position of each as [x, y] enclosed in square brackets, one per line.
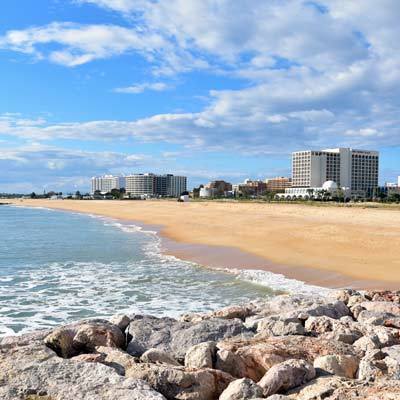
[140, 88]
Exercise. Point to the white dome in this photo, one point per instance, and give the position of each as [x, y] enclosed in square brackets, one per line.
[330, 185]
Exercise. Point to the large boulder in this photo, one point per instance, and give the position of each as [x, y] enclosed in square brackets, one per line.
[382, 307]
[83, 337]
[275, 326]
[35, 372]
[201, 355]
[341, 365]
[286, 375]
[177, 337]
[179, 383]
[158, 356]
[254, 357]
[242, 389]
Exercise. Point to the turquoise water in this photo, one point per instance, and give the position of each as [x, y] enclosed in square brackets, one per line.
[57, 267]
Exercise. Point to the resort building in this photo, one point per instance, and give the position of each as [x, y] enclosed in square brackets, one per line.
[250, 188]
[106, 183]
[356, 170]
[278, 184]
[151, 185]
[216, 189]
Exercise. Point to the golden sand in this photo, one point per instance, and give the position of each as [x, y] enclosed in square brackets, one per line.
[363, 244]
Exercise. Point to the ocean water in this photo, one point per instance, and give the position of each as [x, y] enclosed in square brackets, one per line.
[57, 267]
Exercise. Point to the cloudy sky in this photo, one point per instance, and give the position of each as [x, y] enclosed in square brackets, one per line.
[206, 88]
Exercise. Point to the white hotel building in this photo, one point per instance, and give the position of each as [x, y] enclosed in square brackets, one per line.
[106, 183]
[355, 171]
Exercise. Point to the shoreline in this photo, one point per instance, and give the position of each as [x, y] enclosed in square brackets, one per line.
[219, 256]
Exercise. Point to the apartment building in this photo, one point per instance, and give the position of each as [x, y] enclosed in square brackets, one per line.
[149, 185]
[278, 184]
[106, 183]
[357, 170]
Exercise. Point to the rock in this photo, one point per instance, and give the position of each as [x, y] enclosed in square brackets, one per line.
[372, 318]
[121, 320]
[178, 383]
[318, 389]
[286, 375]
[383, 295]
[275, 327]
[83, 337]
[277, 397]
[241, 312]
[370, 370]
[201, 355]
[158, 356]
[177, 337]
[116, 358]
[253, 357]
[392, 352]
[382, 307]
[367, 343]
[35, 372]
[232, 363]
[341, 365]
[241, 389]
[94, 357]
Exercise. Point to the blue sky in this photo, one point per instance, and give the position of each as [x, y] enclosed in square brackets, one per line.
[206, 88]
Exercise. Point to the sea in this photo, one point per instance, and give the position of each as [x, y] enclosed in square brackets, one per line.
[57, 267]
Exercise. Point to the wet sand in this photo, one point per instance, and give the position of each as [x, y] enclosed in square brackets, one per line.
[327, 246]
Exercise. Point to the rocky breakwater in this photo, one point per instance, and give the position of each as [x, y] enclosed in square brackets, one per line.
[288, 347]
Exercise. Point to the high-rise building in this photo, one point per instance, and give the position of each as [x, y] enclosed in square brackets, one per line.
[356, 170]
[106, 183]
[278, 184]
[155, 185]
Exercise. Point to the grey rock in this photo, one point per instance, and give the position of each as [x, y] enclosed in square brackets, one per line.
[177, 337]
[286, 375]
[158, 356]
[241, 389]
[178, 383]
[36, 372]
[83, 337]
[121, 320]
[341, 365]
[201, 355]
[318, 389]
[277, 327]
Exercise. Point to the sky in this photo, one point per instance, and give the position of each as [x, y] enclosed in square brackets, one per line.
[210, 89]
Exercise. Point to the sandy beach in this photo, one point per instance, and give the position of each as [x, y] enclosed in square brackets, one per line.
[331, 246]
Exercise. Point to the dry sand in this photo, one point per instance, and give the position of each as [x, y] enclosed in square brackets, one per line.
[350, 246]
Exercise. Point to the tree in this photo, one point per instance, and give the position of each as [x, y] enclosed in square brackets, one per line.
[33, 195]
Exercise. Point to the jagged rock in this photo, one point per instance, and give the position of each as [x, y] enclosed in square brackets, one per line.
[318, 389]
[121, 320]
[290, 306]
[158, 356]
[276, 327]
[241, 389]
[201, 355]
[232, 363]
[287, 375]
[367, 343]
[116, 358]
[83, 337]
[241, 312]
[177, 337]
[277, 397]
[366, 317]
[178, 383]
[35, 372]
[341, 365]
[392, 352]
[92, 357]
[370, 370]
[382, 307]
[252, 358]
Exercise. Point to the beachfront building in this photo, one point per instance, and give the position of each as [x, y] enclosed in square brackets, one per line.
[278, 184]
[151, 185]
[250, 188]
[218, 188]
[104, 184]
[354, 170]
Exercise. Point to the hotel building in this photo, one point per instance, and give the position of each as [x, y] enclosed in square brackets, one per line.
[356, 170]
[106, 183]
[149, 185]
[278, 184]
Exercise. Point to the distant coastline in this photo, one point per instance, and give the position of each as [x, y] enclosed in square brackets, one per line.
[281, 240]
